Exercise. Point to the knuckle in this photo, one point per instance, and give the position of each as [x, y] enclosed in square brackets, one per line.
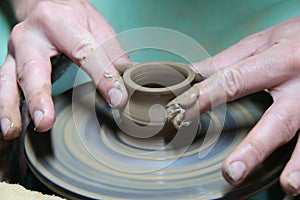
[294, 60]
[231, 80]
[83, 49]
[16, 32]
[9, 106]
[286, 125]
[3, 79]
[4, 106]
[257, 150]
[255, 37]
[44, 12]
[25, 67]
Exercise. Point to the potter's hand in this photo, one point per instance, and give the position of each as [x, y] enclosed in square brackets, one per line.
[72, 27]
[266, 60]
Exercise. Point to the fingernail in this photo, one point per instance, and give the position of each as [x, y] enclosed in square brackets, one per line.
[115, 97]
[294, 181]
[6, 124]
[236, 170]
[37, 116]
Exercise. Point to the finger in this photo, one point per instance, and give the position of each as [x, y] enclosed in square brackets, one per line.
[9, 100]
[83, 48]
[247, 47]
[277, 126]
[108, 55]
[34, 79]
[106, 77]
[290, 177]
[253, 74]
[34, 76]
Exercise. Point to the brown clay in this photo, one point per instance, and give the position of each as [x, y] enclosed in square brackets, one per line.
[151, 87]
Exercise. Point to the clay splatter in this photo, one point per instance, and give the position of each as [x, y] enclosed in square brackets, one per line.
[176, 108]
[175, 114]
[107, 74]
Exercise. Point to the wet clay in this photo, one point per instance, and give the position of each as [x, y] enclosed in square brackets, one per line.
[176, 108]
[123, 67]
[175, 114]
[107, 74]
[151, 87]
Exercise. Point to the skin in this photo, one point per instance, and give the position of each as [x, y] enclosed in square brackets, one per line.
[266, 60]
[40, 32]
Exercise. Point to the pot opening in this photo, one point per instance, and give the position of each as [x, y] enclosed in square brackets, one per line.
[153, 85]
[155, 75]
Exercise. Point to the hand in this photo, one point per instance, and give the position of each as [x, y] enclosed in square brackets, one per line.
[72, 27]
[266, 60]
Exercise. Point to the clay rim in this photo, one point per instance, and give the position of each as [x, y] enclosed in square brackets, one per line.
[186, 71]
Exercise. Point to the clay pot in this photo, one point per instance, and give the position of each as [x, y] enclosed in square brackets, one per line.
[151, 86]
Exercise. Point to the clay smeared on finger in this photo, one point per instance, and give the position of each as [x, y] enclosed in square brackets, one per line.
[176, 108]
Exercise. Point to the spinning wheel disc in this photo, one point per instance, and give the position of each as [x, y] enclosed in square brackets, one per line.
[79, 159]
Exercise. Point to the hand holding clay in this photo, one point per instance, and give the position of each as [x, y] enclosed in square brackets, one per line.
[266, 60]
[47, 29]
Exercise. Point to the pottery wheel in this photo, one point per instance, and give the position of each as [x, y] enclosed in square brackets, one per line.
[78, 159]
